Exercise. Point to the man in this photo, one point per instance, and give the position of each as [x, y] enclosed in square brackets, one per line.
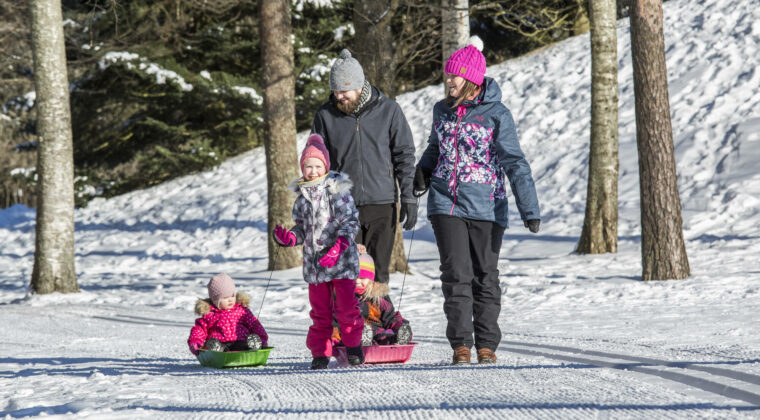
[369, 139]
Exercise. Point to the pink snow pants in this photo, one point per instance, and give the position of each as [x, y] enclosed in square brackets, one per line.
[345, 305]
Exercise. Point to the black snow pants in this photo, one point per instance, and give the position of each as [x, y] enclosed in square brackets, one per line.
[469, 251]
[377, 232]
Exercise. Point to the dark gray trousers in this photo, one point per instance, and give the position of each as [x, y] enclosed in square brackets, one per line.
[469, 251]
[377, 232]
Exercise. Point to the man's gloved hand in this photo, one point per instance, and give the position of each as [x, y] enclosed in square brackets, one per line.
[408, 212]
[532, 224]
[421, 182]
[283, 237]
[329, 259]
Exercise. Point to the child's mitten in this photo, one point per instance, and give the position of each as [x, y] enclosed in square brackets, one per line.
[284, 237]
[194, 348]
[329, 259]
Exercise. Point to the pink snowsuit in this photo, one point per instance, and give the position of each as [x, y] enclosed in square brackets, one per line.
[230, 325]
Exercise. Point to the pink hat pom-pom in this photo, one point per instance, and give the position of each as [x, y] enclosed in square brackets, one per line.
[315, 139]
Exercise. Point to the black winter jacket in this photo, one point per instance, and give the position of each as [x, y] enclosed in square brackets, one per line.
[374, 148]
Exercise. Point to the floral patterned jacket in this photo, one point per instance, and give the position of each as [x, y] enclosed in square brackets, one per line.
[323, 211]
[470, 150]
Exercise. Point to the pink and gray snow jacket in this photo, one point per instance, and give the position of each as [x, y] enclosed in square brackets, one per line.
[470, 150]
[342, 220]
[230, 325]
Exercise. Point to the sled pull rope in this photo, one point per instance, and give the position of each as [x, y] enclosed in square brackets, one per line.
[276, 252]
[409, 254]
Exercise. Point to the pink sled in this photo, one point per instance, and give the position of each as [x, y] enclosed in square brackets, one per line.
[392, 353]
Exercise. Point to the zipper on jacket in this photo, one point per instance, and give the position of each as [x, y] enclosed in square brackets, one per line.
[361, 155]
[461, 111]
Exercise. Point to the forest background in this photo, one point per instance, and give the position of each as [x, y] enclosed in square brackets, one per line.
[160, 89]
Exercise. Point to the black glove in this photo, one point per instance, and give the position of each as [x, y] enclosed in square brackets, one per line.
[532, 224]
[408, 211]
[421, 182]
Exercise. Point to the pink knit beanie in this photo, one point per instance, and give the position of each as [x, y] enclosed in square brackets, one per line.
[468, 62]
[220, 286]
[366, 267]
[315, 148]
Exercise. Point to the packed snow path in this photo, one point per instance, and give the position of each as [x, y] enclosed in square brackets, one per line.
[584, 337]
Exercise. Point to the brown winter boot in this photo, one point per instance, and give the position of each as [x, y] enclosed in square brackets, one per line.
[486, 356]
[461, 356]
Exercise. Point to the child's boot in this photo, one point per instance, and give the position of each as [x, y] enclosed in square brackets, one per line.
[404, 334]
[367, 335]
[355, 355]
[320, 362]
[212, 344]
[253, 341]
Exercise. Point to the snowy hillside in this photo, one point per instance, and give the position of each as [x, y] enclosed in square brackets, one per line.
[584, 337]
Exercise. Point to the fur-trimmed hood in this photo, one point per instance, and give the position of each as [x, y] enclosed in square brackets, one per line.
[204, 306]
[375, 291]
[337, 183]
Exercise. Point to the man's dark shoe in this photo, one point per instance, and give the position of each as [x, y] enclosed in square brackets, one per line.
[355, 355]
[320, 362]
[461, 356]
[486, 356]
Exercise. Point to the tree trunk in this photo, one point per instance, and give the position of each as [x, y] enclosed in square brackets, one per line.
[374, 45]
[599, 233]
[54, 243]
[280, 119]
[663, 252]
[455, 29]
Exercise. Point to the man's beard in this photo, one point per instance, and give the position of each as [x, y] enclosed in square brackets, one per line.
[349, 106]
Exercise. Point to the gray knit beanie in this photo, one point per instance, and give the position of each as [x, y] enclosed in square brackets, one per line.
[346, 73]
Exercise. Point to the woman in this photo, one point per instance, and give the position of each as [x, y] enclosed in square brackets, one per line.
[472, 145]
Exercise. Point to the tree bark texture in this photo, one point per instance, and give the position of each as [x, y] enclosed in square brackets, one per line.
[663, 251]
[279, 115]
[599, 233]
[374, 44]
[455, 29]
[54, 242]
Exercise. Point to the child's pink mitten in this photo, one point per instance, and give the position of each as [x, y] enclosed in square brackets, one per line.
[329, 259]
[283, 236]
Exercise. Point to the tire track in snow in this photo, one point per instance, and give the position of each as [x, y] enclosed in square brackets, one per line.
[642, 365]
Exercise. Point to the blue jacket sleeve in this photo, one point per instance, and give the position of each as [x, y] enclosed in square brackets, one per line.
[402, 153]
[514, 164]
[429, 158]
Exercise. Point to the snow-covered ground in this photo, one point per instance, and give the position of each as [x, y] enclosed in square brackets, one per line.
[584, 337]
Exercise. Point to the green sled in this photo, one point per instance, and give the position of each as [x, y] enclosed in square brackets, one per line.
[233, 359]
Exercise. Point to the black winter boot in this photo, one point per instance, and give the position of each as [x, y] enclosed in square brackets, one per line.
[212, 344]
[254, 342]
[320, 362]
[355, 355]
[404, 334]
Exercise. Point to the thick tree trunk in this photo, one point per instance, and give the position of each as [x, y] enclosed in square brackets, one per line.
[455, 29]
[280, 118]
[374, 45]
[663, 251]
[599, 233]
[54, 243]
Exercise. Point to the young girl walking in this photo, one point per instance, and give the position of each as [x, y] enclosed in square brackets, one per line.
[326, 223]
